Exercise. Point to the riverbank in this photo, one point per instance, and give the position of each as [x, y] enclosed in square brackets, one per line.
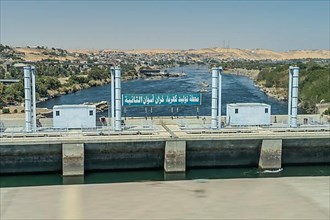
[65, 89]
[268, 198]
[17, 112]
[277, 93]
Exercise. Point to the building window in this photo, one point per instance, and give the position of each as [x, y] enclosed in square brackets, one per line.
[91, 112]
[57, 113]
[236, 110]
[266, 110]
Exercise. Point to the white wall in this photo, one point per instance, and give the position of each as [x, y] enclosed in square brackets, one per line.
[74, 116]
[248, 114]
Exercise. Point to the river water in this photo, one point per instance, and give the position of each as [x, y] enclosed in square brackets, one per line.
[236, 89]
[159, 175]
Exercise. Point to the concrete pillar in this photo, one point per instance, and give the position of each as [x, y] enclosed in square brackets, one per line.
[73, 159]
[294, 106]
[73, 180]
[118, 98]
[290, 95]
[34, 103]
[219, 96]
[214, 105]
[112, 71]
[271, 154]
[27, 92]
[174, 176]
[175, 156]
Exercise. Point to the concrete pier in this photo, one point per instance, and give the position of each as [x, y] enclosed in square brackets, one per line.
[263, 198]
[271, 154]
[73, 159]
[175, 156]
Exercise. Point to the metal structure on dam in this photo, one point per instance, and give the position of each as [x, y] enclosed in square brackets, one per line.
[171, 144]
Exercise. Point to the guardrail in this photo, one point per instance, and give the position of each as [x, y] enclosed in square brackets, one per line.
[148, 128]
[17, 131]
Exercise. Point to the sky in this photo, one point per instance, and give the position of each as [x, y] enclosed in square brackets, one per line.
[277, 25]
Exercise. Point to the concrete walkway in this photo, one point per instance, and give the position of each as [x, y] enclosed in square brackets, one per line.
[268, 198]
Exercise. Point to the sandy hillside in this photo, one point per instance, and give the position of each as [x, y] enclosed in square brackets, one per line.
[261, 54]
[221, 53]
[33, 54]
[252, 54]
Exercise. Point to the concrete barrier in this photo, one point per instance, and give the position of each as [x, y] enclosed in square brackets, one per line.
[32, 155]
[306, 151]
[175, 156]
[124, 155]
[73, 159]
[271, 154]
[223, 153]
[30, 158]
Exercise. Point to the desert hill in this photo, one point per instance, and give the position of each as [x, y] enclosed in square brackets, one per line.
[42, 53]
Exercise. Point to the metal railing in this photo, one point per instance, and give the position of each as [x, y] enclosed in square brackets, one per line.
[147, 127]
[19, 131]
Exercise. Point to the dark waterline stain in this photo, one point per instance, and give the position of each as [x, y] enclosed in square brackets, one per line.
[158, 175]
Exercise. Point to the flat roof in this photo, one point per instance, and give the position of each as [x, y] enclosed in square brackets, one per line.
[74, 106]
[248, 105]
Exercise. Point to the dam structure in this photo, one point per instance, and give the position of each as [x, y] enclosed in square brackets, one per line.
[174, 144]
[163, 144]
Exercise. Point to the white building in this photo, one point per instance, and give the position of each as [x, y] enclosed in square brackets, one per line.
[74, 116]
[248, 114]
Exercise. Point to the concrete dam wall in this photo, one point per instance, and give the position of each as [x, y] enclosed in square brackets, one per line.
[228, 153]
[25, 157]
[124, 155]
[306, 151]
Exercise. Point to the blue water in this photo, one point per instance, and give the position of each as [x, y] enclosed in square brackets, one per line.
[235, 89]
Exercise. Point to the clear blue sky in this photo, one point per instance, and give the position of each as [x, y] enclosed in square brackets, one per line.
[276, 25]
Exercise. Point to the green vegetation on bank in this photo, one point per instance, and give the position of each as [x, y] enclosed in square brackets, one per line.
[313, 82]
[55, 78]
[314, 78]
[48, 82]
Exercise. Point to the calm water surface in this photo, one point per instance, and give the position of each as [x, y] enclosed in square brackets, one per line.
[159, 175]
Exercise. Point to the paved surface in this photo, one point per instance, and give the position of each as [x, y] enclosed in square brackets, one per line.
[268, 198]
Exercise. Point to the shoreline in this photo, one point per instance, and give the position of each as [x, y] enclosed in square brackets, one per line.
[95, 83]
[79, 87]
[279, 94]
[276, 93]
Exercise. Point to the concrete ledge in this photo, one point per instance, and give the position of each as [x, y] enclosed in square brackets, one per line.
[73, 159]
[271, 154]
[260, 198]
[175, 156]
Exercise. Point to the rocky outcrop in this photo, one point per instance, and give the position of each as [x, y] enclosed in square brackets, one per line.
[277, 93]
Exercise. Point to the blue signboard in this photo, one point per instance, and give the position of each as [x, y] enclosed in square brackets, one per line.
[161, 99]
